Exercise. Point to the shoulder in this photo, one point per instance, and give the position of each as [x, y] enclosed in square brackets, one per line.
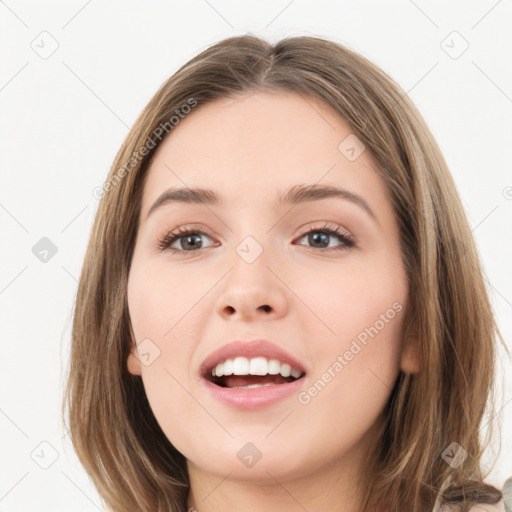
[481, 507]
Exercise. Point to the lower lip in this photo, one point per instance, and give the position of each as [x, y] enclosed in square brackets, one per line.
[253, 398]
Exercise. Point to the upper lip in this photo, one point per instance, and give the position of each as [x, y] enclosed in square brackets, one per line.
[254, 348]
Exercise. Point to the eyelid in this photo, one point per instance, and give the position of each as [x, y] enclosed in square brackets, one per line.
[332, 229]
[179, 232]
[327, 226]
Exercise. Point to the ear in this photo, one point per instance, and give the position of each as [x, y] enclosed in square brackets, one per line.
[410, 361]
[133, 363]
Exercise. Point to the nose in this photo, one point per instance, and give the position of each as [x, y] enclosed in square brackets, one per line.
[253, 291]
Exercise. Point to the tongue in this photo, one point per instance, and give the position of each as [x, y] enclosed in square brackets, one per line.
[235, 381]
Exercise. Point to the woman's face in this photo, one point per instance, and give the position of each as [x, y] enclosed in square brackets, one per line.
[258, 265]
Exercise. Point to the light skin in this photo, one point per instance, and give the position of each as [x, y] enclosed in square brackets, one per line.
[250, 150]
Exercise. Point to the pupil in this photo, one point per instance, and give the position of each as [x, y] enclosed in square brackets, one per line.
[188, 238]
[317, 235]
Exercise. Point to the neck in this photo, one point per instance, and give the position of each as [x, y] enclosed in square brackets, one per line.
[329, 487]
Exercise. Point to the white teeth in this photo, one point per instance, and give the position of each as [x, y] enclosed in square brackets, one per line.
[254, 366]
[258, 366]
[295, 374]
[252, 386]
[286, 370]
[240, 366]
[228, 367]
[274, 367]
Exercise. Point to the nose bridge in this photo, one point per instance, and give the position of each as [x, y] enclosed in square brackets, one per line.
[251, 286]
[251, 260]
[252, 234]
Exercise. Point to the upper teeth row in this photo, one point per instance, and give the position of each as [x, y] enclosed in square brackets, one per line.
[254, 366]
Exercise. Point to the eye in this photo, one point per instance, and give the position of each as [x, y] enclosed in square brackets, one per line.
[188, 238]
[321, 236]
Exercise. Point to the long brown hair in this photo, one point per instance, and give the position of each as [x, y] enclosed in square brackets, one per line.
[116, 437]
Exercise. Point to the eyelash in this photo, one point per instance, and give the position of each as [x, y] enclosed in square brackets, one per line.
[348, 240]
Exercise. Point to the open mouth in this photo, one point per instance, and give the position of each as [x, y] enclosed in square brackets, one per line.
[245, 373]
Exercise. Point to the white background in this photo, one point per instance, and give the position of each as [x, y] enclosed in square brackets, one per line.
[64, 117]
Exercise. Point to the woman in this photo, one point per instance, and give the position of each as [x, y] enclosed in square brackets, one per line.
[265, 371]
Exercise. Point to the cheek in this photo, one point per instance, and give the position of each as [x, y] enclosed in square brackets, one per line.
[336, 310]
[347, 299]
[165, 307]
[159, 299]
[354, 371]
[357, 353]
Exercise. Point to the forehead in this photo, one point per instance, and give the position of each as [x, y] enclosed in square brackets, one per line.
[258, 145]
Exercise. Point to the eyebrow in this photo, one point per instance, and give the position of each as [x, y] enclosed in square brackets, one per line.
[294, 195]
